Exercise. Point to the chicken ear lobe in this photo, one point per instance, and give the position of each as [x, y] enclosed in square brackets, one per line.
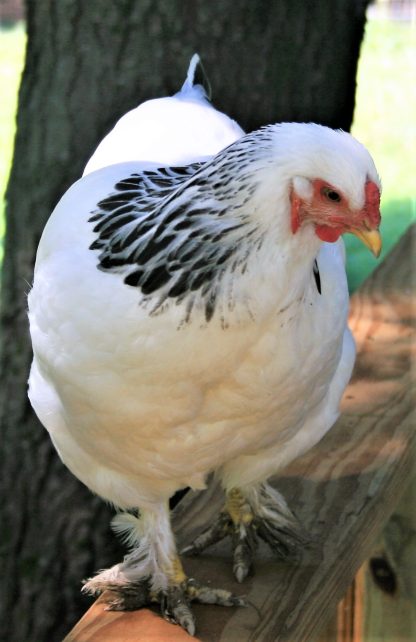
[295, 205]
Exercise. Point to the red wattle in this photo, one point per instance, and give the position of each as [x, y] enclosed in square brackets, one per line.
[328, 234]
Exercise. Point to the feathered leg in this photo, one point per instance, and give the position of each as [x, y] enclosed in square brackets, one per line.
[250, 513]
[152, 572]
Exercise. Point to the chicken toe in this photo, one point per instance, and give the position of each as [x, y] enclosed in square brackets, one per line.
[248, 515]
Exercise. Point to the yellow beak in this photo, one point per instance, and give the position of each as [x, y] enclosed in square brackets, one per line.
[370, 238]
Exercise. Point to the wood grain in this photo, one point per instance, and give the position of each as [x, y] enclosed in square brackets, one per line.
[380, 605]
[343, 491]
[390, 610]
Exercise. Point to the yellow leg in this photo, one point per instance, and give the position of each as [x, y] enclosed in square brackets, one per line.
[261, 512]
[238, 508]
[176, 573]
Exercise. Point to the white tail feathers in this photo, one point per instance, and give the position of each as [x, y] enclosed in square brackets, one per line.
[190, 76]
[193, 83]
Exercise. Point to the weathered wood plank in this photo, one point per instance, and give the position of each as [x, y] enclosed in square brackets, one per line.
[346, 623]
[389, 596]
[343, 491]
[380, 604]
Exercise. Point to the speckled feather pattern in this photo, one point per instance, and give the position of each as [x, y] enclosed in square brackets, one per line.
[167, 234]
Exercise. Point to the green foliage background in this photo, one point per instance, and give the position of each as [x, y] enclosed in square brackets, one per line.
[385, 121]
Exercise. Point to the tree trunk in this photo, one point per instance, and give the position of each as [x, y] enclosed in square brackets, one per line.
[88, 63]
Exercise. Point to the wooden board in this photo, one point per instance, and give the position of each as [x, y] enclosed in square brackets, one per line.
[389, 593]
[343, 490]
[380, 604]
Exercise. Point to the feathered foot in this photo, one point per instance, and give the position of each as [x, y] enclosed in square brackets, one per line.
[174, 599]
[249, 514]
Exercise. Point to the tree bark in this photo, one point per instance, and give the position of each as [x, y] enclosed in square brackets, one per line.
[88, 63]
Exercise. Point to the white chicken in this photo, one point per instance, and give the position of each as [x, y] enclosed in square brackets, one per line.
[191, 319]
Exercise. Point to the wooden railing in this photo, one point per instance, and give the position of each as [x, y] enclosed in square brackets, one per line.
[343, 491]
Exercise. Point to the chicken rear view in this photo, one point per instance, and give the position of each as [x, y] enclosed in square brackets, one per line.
[188, 316]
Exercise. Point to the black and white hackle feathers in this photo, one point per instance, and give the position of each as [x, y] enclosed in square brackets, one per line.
[175, 231]
[158, 240]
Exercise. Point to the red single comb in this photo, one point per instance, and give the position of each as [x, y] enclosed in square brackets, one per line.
[372, 203]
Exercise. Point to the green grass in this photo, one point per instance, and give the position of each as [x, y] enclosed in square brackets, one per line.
[12, 47]
[384, 121]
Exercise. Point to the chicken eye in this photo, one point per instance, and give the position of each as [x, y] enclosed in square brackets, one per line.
[331, 194]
